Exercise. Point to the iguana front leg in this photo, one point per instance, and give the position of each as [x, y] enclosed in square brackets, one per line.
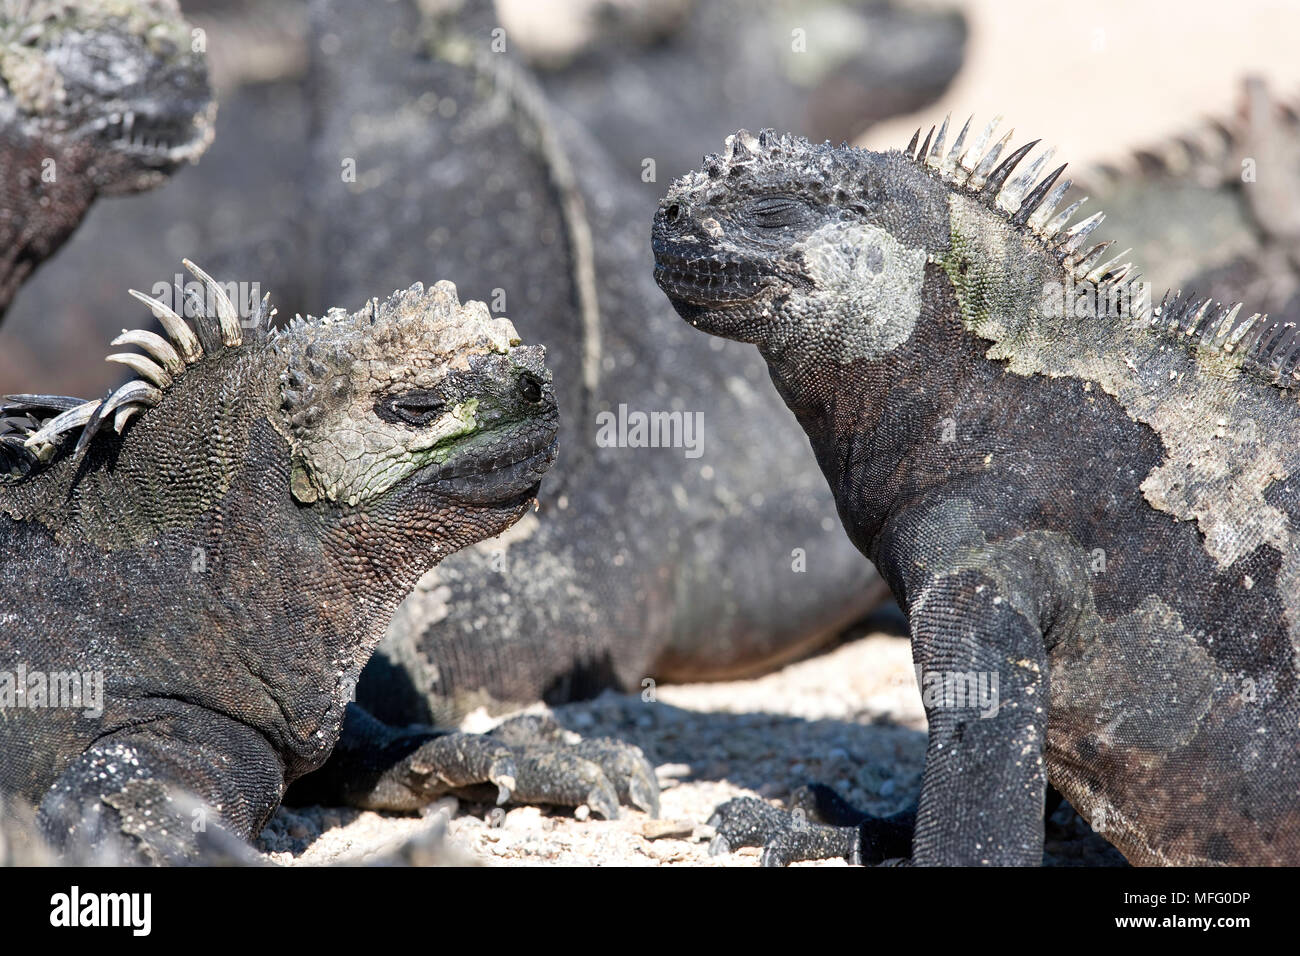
[184, 785]
[983, 672]
[982, 669]
[529, 759]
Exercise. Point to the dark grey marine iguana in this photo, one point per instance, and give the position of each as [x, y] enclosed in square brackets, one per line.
[643, 562]
[463, 168]
[1088, 505]
[96, 99]
[192, 589]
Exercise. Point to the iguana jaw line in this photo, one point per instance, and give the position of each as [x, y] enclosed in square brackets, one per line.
[156, 139]
[504, 478]
[708, 278]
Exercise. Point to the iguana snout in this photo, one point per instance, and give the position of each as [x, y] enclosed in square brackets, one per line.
[729, 238]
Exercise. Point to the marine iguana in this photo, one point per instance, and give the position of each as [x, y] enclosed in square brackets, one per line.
[97, 98]
[193, 588]
[1087, 503]
[553, 226]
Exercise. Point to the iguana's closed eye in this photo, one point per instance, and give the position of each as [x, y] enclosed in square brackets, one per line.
[416, 407]
[777, 212]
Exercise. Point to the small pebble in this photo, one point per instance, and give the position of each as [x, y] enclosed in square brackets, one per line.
[669, 771]
[659, 829]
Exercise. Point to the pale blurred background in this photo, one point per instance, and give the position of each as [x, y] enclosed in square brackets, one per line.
[1095, 77]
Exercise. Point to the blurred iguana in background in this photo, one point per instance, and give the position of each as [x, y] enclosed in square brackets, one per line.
[97, 98]
[1215, 209]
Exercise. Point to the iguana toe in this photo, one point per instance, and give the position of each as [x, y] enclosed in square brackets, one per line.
[786, 837]
[556, 776]
[559, 767]
[627, 768]
[462, 760]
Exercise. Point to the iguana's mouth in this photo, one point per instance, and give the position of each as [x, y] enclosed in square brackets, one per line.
[490, 473]
[158, 139]
[701, 276]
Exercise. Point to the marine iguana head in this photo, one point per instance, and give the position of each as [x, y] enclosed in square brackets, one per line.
[417, 420]
[776, 233]
[778, 240]
[784, 244]
[418, 397]
[117, 78]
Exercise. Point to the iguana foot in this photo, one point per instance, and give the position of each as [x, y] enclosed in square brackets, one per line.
[821, 826]
[556, 766]
[527, 759]
[786, 837]
[456, 761]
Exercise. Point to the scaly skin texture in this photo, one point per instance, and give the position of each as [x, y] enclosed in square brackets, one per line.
[228, 562]
[1097, 511]
[96, 99]
[280, 212]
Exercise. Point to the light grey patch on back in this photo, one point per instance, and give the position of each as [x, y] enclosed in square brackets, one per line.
[1139, 682]
[1227, 438]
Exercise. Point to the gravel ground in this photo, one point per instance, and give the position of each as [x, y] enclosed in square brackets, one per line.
[850, 718]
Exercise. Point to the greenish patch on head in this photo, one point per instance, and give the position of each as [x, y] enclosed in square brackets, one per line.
[359, 464]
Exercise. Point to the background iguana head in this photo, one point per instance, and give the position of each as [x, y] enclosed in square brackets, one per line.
[120, 77]
[399, 432]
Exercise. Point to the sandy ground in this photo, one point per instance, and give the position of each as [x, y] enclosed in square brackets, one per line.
[1096, 77]
[838, 718]
[850, 718]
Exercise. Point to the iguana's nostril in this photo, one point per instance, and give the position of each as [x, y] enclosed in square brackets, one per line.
[530, 388]
[673, 212]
